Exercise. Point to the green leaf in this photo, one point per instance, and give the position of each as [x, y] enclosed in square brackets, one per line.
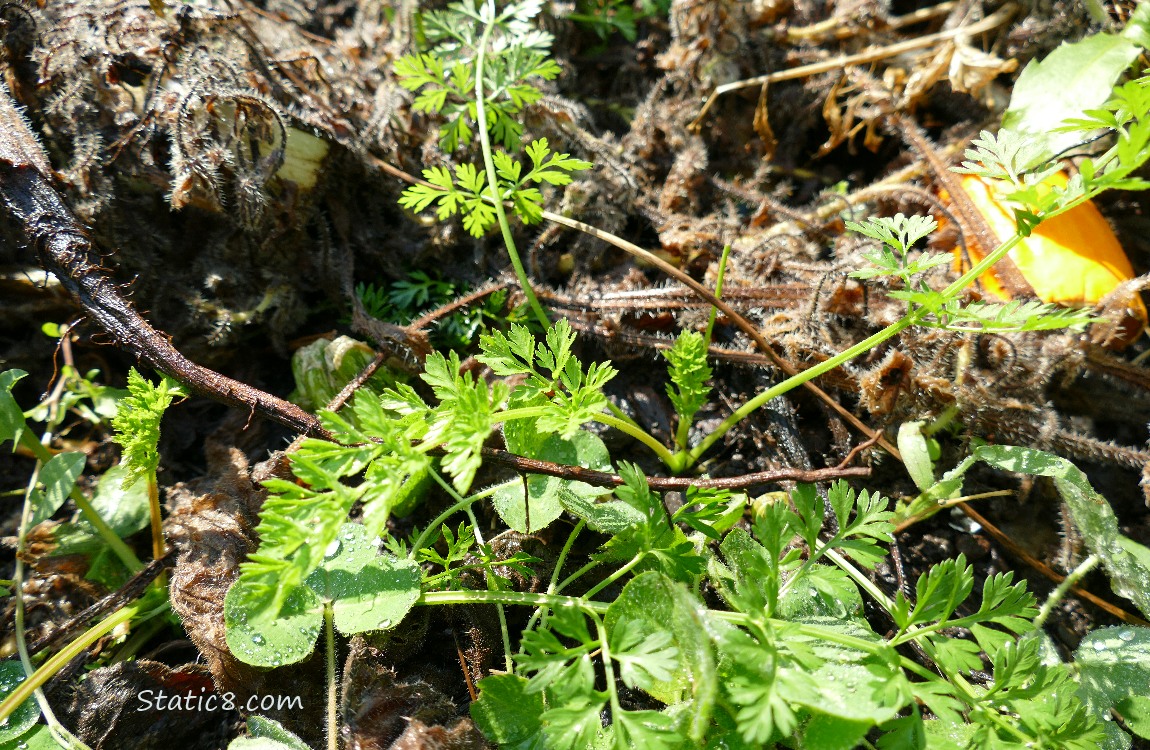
[368, 591]
[259, 636]
[656, 624]
[1113, 665]
[11, 415]
[1089, 511]
[124, 510]
[828, 732]
[263, 731]
[545, 493]
[1073, 78]
[137, 423]
[689, 374]
[27, 713]
[508, 713]
[58, 476]
[916, 454]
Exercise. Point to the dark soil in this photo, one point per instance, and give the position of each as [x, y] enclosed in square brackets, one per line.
[240, 268]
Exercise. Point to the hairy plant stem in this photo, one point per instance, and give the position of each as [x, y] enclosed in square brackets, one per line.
[493, 176]
[332, 728]
[1069, 582]
[914, 317]
[624, 425]
[57, 729]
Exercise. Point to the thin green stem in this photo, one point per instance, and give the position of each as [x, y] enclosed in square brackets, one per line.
[639, 434]
[615, 576]
[58, 660]
[608, 665]
[110, 538]
[329, 657]
[1067, 583]
[911, 318]
[552, 587]
[493, 176]
[718, 293]
[578, 574]
[432, 528]
[55, 727]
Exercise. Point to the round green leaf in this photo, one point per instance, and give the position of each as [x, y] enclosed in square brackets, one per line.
[26, 714]
[264, 641]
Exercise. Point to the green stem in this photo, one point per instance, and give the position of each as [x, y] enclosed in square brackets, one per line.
[639, 434]
[578, 574]
[911, 318]
[1069, 582]
[433, 527]
[157, 522]
[718, 293]
[110, 538]
[608, 666]
[552, 586]
[332, 702]
[65, 655]
[614, 576]
[493, 176]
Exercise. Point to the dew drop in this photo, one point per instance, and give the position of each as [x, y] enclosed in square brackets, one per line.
[385, 623]
[813, 591]
[1126, 635]
[332, 550]
[1099, 646]
[257, 639]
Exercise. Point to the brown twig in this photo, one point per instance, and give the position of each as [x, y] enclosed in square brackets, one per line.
[668, 484]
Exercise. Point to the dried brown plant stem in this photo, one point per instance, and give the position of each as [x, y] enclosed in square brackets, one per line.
[668, 484]
[1002, 15]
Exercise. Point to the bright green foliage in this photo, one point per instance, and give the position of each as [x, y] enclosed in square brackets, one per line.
[445, 75]
[467, 193]
[11, 675]
[936, 309]
[608, 16]
[689, 373]
[570, 395]
[137, 423]
[513, 53]
[367, 591]
[1074, 78]
[298, 522]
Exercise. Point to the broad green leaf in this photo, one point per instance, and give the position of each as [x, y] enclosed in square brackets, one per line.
[1075, 77]
[1113, 665]
[124, 510]
[828, 732]
[368, 591]
[26, 714]
[58, 476]
[654, 604]
[545, 493]
[508, 713]
[265, 641]
[268, 730]
[11, 415]
[611, 517]
[916, 454]
[1135, 712]
[1089, 511]
[824, 591]
[36, 738]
